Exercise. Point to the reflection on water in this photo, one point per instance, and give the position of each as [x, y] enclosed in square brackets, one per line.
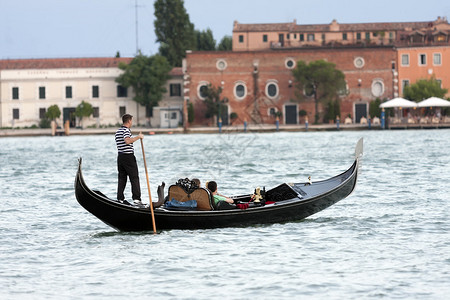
[389, 239]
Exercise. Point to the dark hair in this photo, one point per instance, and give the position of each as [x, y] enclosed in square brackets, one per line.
[196, 181]
[126, 118]
[212, 186]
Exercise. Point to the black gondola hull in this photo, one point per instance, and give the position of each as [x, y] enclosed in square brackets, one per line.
[125, 217]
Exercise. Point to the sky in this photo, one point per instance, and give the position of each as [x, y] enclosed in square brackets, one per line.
[101, 28]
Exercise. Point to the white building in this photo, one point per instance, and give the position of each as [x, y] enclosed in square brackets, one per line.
[28, 87]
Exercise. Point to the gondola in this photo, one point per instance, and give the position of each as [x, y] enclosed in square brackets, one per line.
[286, 202]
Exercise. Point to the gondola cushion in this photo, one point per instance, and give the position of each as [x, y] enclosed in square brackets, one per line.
[201, 195]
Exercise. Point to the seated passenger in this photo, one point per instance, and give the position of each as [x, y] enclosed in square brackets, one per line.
[212, 186]
[196, 181]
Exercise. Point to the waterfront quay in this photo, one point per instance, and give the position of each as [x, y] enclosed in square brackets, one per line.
[225, 129]
[180, 130]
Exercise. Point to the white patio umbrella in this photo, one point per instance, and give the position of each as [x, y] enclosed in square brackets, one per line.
[434, 102]
[398, 102]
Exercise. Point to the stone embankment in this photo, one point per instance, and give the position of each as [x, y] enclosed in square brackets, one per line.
[179, 130]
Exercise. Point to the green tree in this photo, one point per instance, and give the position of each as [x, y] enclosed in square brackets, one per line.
[147, 75]
[226, 44]
[320, 79]
[214, 104]
[191, 115]
[205, 40]
[423, 89]
[374, 108]
[84, 109]
[174, 31]
[53, 112]
[333, 110]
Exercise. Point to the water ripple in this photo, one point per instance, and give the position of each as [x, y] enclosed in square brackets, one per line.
[389, 239]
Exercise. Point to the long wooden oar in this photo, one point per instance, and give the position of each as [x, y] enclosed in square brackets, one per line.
[148, 186]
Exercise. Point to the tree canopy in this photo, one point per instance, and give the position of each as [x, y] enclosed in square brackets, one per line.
[226, 44]
[84, 109]
[424, 89]
[174, 31]
[147, 76]
[320, 79]
[205, 40]
[214, 103]
[53, 112]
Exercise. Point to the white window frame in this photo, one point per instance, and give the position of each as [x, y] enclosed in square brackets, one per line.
[359, 62]
[294, 64]
[236, 84]
[200, 84]
[420, 59]
[438, 54]
[374, 82]
[267, 89]
[221, 64]
[407, 64]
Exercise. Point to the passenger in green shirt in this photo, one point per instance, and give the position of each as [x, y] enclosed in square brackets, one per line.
[212, 186]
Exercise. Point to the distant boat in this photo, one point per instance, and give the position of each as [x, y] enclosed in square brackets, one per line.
[285, 203]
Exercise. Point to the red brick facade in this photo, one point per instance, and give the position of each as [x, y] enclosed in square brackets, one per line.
[369, 73]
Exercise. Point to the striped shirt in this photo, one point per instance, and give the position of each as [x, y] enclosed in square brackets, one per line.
[122, 133]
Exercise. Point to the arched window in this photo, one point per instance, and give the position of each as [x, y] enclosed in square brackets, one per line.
[201, 89]
[377, 87]
[240, 90]
[272, 89]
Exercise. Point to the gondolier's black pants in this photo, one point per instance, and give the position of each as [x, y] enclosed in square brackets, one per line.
[127, 166]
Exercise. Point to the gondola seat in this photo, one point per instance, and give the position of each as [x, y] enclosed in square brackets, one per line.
[201, 195]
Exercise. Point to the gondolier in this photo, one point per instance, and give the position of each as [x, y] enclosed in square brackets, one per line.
[126, 161]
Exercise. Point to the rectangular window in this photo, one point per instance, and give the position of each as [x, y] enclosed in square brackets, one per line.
[42, 92]
[358, 36]
[42, 112]
[96, 112]
[95, 91]
[175, 90]
[405, 83]
[437, 61]
[405, 59]
[265, 38]
[15, 113]
[323, 37]
[295, 36]
[440, 82]
[344, 36]
[68, 92]
[302, 37]
[122, 111]
[422, 59]
[367, 36]
[15, 93]
[311, 37]
[122, 92]
[241, 38]
[288, 36]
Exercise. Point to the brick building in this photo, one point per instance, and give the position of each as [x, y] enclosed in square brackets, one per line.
[257, 80]
[257, 83]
